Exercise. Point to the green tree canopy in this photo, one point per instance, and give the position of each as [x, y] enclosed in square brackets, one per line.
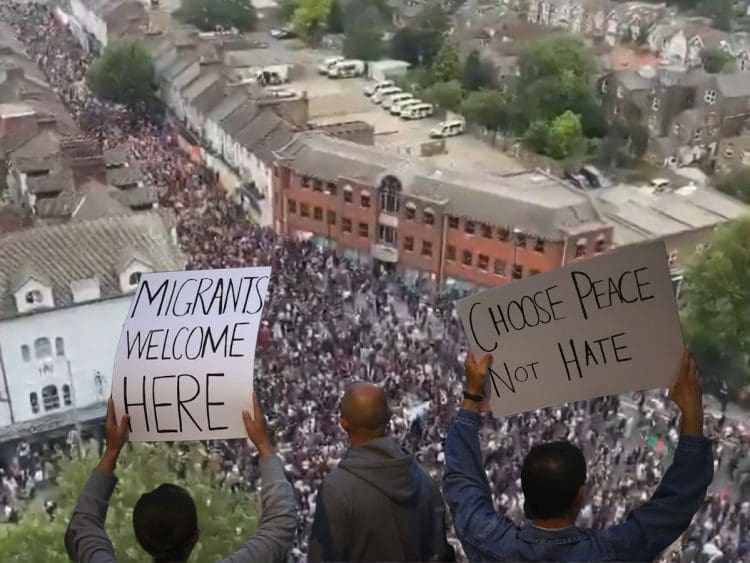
[446, 66]
[716, 60]
[225, 519]
[310, 18]
[555, 57]
[363, 38]
[206, 15]
[124, 74]
[735, 183]
[476, 73]
[487, 108]
[447, 95]
[565, 136]
[536, 136]
[335, 22]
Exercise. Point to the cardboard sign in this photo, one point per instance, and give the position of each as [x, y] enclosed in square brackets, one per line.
[598, 327]
[184, 365]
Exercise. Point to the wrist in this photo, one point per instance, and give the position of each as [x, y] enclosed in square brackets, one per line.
[265, 449]
[691, 425]
[108, 463]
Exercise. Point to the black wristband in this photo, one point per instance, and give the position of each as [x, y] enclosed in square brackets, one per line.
[472, 397]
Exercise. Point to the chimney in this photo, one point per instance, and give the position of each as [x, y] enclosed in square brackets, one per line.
[84, 157]
[15, 73]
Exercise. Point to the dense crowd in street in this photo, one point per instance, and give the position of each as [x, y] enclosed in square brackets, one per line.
[328, 322]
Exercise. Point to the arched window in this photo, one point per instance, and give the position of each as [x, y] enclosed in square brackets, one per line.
[390, 188]
[66, 395]
[59, 347]
[25, 353]
[42, 348]
[581, 247]
[50, 398]
[33, 296]
[34, 401]
[134, 278]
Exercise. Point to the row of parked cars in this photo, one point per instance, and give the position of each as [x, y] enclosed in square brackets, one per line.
[393, 99]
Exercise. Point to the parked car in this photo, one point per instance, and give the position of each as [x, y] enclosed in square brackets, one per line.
[383, 93]
[419, 111]
[398, 106]
[282, 33]
[395, 98]
[660, 184]
[328, 63]
[372, 89]
[449, 128]
[578, 180]
[595, 178]
[348, 68]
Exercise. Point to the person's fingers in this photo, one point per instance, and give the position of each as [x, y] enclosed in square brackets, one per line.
[110, 410]
[470, 361]
[247, 419]
[124, 421]
[485, 362]
[257, 410]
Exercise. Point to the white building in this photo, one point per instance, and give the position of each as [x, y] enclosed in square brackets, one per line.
[64, 293]
[105, 20]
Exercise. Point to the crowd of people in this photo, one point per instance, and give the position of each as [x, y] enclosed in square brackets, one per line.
[329, 321]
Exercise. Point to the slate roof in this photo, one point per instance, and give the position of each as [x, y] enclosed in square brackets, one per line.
[80, 250]
[735, 85]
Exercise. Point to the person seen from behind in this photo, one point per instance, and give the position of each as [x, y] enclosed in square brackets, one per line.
[553, 479]
[378, 504]
[165, 520]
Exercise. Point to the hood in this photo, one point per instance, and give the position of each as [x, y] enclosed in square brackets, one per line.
[386, 465]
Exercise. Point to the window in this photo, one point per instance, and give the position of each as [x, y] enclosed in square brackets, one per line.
[604, 86]
[304, 209]
[50, 398]
[318, 213]
[331, 217]
[655, 103]
[426, 248]
[364, 199]
[499, 267]
[539, 245]
[66, 395]
[134, 278]
[517, 271]
[698, 135]
[42, 348]
[620, 93]
[453, 222]
[346, 225]
[502, 235]
[409, 244]
[467, 258]
[600, 244]
[676, 129]
[387, 234]
[390, 188]
[652, 121]
[469, 227]
[305, 183]
[331, 188]
[364, 230]
[581, 248]
[34, 296]
[729, 151]
[411, 210]
[318, 185]
[482, 262]
[520, 239]
[709, 96]
[34, 401]
[59, 347]
[348, 194]
[486, 230]
[429, 217]
[25, 353]
[291, 206]
[450, 253]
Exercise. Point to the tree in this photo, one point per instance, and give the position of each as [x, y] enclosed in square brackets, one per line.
[717, 299]
[536, 136]
[226, 519]
[476, 73]
[335, 22]
[124, 74]
[554, 57]
[445, 94]
[487, 108]
[716, 60]
[287, 9]
[643, 32]
[207, 15]
[565, 136]
[363, 38]
[310, 18]
[416, 46]
[722, 14]
[735, 183]
[446, 65]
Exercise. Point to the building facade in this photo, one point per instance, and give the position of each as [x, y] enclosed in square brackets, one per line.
[452, 228]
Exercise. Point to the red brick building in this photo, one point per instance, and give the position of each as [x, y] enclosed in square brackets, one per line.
[450, 226]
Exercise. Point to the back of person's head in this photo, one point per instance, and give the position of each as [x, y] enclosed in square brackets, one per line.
[551, 478]
[364, 411]
[165, 522]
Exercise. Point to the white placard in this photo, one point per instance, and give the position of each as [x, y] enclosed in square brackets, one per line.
[598, 327]
[184, 364]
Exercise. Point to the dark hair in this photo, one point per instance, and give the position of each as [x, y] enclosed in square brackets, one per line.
[165, 522]
[551, 476]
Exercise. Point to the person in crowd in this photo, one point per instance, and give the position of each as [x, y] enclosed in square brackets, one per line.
[553, 480]
[378, 504]
[165, 520]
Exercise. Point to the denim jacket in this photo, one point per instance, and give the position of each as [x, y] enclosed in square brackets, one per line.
[647, 531]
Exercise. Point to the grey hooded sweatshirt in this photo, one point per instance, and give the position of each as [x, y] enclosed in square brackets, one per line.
[379, 505]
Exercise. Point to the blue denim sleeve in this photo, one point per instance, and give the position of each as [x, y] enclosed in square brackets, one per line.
[656, 524]
[484, 533]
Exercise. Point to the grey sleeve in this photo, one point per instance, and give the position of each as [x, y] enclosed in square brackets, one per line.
[273, 537]
[85, 538]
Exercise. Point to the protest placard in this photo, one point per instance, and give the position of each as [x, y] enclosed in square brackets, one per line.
[184, 363]
[597, 327]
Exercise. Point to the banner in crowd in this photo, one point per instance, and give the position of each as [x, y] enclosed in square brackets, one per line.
[184, 363]
[597, 327]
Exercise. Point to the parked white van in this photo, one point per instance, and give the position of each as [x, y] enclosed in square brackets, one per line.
[396, 98]
[348, 68]
[328, 63]
[398, 107]
[447, 129]
[419, 111]
[383, 93]
[371, 89]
